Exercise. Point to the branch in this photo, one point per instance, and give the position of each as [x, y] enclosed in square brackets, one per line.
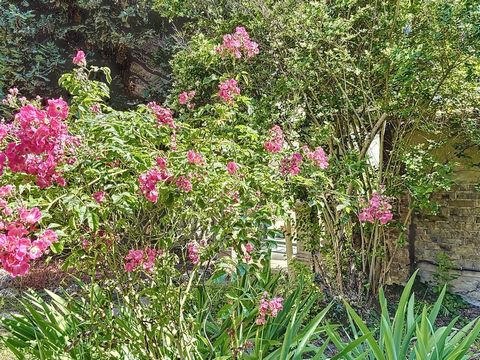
[372, 134]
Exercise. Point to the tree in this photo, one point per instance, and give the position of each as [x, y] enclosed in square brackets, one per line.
[341, 75]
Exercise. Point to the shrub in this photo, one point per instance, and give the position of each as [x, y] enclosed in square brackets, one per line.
[145, 199]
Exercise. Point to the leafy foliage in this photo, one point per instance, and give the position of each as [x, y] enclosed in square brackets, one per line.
[234, 325]
[410, 335]
[363, 82]
[444, 274]
[108, 324]
[30, 68]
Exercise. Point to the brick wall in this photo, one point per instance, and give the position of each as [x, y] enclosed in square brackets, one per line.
[455, 230]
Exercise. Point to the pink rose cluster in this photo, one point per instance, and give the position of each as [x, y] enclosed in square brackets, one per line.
[275, 144]
[238, 44]
[193, 252]
[41, 142]
[95, 108]
[164, 115]
[184, 184]
[268, 308]
[80, 59]
[149, 180]
[228, 89]
[144, 259]
[378, 209]
[18, 242]
[249, 247]
[194, 157]
[290, 165]
[99, 196]
[185, 98]
[318, 156]
[232, 167]
[11, 98]
[4, 130]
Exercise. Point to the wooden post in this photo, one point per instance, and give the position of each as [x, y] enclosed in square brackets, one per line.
[289, 248]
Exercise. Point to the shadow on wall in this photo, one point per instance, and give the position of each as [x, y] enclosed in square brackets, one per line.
[455, 231]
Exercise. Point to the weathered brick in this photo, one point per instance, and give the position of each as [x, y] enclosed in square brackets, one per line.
[435, 218]
[464, 187]
[462, 204]
[467, 195]
[469, 219]
[460, 212]
[470, 224]
[469, 264]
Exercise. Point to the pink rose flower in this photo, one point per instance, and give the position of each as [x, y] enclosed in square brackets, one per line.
[291, 164]
[57, 108]
[80, 58]
[238, 44]
[193, 252]
[275, 144]
[185, 98]
[31, 216]
[232, 167]
[161, 163]
[378, 209]
[164, 115]
[99, 196]
[144, 259]
[268, 308]
[318, 156]
[228, 89]
[183, 183]
[194, 157]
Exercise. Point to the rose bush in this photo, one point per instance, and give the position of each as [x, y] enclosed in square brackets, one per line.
[146, 196]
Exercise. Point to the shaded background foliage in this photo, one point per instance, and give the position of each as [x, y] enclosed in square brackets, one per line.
[37, 36]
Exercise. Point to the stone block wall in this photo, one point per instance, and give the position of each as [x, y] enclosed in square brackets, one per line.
[455, 230]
